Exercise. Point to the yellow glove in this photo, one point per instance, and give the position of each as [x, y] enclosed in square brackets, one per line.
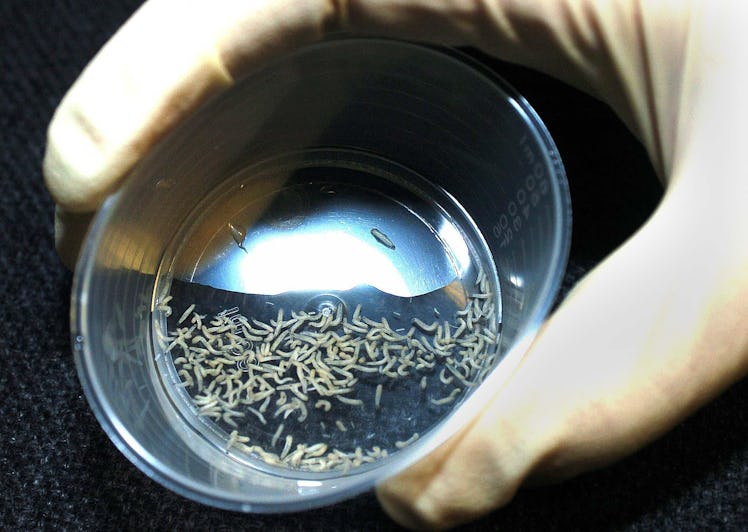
[655, 331]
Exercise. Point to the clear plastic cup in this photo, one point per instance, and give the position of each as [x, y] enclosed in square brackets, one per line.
[388, 202]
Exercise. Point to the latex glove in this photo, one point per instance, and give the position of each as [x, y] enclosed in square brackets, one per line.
[655, 331]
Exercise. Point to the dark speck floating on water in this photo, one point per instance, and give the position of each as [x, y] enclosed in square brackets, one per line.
[382, 238]
[238, 235]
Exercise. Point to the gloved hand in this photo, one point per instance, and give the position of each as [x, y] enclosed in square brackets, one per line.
[655, 331]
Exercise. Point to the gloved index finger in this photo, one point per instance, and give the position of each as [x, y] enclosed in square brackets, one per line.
[159, 67]
[172, 55]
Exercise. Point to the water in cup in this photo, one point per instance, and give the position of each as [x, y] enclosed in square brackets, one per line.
[323, 310]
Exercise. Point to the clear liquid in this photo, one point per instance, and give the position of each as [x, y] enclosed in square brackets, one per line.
[335, 306]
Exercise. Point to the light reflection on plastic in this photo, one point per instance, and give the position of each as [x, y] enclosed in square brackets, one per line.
[308, 483]
[334, 260]
[456, 244]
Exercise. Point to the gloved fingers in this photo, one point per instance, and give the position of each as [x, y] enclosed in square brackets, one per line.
[654, 332]
[172, 55]
[70, 231]
[650, 335]
[159, 67]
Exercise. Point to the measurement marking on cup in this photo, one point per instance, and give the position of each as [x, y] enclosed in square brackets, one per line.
[382, 238]
[518, 209]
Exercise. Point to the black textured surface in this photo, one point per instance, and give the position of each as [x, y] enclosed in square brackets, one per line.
[59, 470]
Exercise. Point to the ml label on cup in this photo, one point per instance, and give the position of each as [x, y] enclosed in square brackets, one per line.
[526, 199]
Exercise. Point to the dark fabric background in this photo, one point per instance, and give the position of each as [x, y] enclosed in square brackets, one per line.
[59, 470]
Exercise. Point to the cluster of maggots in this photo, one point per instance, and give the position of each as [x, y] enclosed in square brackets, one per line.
[234, 367]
